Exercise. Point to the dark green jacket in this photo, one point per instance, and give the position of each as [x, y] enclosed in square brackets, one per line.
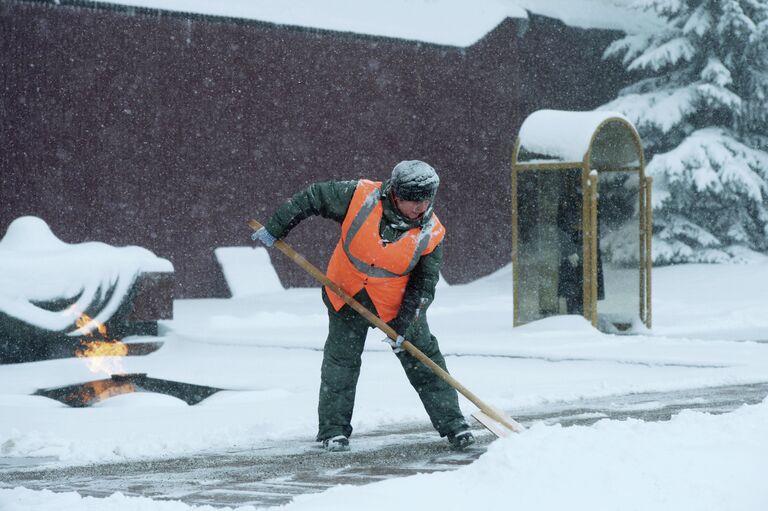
[331, 200]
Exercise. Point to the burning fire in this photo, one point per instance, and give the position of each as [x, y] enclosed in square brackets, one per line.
[101, 354]
[99, 390]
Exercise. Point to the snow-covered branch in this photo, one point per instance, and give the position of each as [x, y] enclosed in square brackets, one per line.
[714, 161]
[661, 109]
[662, 55]
[699, 23]
[715, 72]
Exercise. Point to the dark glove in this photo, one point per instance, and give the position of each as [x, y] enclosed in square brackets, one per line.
[264, 237]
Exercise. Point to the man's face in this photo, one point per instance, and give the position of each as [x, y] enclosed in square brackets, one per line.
[412, 210]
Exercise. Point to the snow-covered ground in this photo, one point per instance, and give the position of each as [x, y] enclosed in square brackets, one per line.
[266, 348]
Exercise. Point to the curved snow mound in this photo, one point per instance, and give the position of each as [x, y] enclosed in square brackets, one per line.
[36, 266]
[29, 233]
[562, 135]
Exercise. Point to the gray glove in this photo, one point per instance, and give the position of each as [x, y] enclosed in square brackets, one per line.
[574, 260]
[264, 237]
[397, 345]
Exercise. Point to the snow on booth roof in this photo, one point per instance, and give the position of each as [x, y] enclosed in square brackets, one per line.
[559, 136]
[36, 266]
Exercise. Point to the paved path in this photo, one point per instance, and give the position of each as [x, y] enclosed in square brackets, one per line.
[275, 474]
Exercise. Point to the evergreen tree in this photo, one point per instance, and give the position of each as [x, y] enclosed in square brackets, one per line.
[701, 107]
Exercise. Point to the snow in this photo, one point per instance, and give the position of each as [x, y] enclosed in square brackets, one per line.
[265, 350]
[713, 160]
[612, 465]
[631, 46]
[694, 461]
[562, 135]
[247, 270]
[700, 22]
[264, 345]
[706, 99]
[603, 14]
[459, 23]
[661, 109]
[668, 53]
[415, 173]
[86, 271]
[715, 72]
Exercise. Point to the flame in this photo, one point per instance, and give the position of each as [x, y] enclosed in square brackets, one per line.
[85, 320]
[102, 355]
[99, 390]
[102, 349]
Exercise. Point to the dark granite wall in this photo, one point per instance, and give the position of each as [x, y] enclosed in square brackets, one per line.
[137, 127]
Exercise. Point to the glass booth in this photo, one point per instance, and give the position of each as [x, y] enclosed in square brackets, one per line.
[581, 221]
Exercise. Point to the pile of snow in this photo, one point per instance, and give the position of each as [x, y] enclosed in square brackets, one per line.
[36, 266]
[448, 22]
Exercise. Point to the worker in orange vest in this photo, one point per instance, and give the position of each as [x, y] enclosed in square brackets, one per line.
[388, 258]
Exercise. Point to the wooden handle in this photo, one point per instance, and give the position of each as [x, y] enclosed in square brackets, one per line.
[381, 325]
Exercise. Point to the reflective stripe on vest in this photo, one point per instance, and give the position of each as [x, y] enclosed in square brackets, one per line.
[372, 271]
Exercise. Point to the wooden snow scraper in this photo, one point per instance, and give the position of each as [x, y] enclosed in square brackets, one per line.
[496, 421]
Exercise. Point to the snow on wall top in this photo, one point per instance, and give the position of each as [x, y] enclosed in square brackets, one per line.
[248, 271]
[621, 15]
[447, 22]
[562, 135]
[37, 266]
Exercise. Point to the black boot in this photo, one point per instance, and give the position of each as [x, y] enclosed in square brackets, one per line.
[336, 443]
[461, 439]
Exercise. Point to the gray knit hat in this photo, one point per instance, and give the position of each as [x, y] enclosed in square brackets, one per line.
[414, 180]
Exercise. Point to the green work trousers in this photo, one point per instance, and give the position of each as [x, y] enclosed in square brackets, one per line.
[347, 331]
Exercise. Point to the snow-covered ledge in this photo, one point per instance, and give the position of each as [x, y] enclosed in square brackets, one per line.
[37, 267]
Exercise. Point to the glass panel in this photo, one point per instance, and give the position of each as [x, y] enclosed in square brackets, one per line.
[569, 223]
[614, 146]
[549, 250]
[618, 307]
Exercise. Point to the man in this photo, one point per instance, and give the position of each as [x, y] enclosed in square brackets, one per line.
[388, 258]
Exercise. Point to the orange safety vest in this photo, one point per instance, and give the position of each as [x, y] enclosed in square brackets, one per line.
[362, 259]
